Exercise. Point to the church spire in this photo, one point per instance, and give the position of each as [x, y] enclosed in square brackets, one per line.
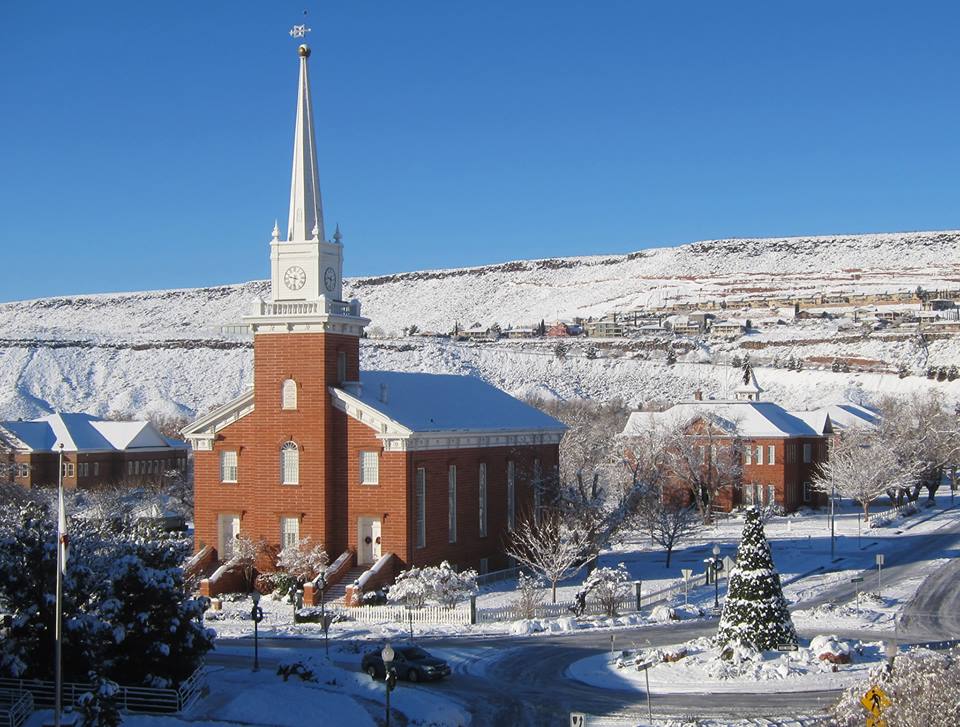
[306, 211]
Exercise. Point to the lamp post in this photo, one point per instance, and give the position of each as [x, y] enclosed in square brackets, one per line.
[833, 521]
[390, 676]
[322, 583]
[256, 613]
[890, 649]
[716, 565]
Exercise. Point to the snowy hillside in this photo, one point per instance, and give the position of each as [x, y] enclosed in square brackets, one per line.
[165, 351]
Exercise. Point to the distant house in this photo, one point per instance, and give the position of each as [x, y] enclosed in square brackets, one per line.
[95, 451]
[728, 329]
[477, 332]
[687, 325]
[561, 329]
[520, 333]
[778, 450]
[610, 326]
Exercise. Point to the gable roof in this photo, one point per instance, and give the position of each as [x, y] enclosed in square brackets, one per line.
[848, 415]
[85, 433]
[751, 419]
[422, 403]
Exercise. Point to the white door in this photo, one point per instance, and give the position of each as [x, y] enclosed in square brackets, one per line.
[368, 547]
[375, 528]
[228, 527]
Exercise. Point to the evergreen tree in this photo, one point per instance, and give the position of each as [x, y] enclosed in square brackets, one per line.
[755, 612]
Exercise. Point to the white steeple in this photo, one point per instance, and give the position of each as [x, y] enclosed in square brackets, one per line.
[749, 389]
[306, 211]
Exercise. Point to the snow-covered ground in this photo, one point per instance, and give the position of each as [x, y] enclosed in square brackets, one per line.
[337, 696]
[701, 671]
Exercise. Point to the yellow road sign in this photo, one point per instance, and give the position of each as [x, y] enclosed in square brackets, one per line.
[876, 721]
[875, 701]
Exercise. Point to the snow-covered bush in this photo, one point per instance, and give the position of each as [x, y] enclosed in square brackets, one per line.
[530, 595]
[608, 586]
[924, 688]
[245, 554]
[440, 584]
[98, 707]
[126, 616]
[302, 560]
[755, 612]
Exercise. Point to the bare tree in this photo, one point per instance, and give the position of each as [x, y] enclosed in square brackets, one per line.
[303, 560]
[552, 547]
[668, 520]
[704, 456]
[862, 466]
[246, 551]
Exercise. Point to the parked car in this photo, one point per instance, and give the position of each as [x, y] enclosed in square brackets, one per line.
[409, 662]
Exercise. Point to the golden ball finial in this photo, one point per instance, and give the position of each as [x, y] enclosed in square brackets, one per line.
[304, 51]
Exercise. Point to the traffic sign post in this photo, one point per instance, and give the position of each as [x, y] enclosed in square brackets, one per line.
[879, 574]
[645, 667]
[686, 572]
[578, 719]
[875, 701]
[857, 581]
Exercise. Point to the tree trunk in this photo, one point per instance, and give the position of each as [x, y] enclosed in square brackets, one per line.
[669, 553]
[553, 591]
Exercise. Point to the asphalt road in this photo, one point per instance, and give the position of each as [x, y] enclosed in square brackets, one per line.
[527, 682]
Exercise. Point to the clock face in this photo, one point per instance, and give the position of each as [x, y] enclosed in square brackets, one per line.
[294, 278]
[330, 279]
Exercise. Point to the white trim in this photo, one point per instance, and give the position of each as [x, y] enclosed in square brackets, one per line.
[205, 428]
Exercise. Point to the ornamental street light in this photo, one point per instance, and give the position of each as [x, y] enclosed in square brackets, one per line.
[322, 583]
[716, 565]
[890, 650]
[256, 613]
[390, 676]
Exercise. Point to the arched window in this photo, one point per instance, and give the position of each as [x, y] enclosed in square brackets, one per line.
[289, 394]
[290, 464]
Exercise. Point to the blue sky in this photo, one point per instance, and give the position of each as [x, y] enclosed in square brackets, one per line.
[147, 145]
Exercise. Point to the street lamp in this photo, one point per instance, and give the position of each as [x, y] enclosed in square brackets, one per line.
[324, 621]
[256, 613]
[717, 565]
[390, 676]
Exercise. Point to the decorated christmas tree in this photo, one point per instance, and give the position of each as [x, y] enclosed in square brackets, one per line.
[755, 613]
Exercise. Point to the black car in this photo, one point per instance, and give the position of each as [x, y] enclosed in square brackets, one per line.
[409, 662]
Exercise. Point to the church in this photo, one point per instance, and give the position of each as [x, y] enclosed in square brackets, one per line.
[376, 465]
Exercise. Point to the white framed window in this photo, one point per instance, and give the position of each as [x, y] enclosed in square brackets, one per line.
[452, 503]
[68, 469]
[96, 469]
[484, 566]
[341, 366]
[290, 464]
[130, 469]
[759, 453]
[748, 454]
[289, 532]
[288, 394]
[748, 495]
[228, 466]
[421, 497]
[806, 491]
[771, 495]
[369, 468]
[807, 453]
[771, 454]
[482, 497]
[511, 492]
[23, 470]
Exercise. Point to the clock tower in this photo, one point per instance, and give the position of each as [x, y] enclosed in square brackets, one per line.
[306, 269]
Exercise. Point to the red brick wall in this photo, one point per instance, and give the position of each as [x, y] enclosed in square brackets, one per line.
[258, 497]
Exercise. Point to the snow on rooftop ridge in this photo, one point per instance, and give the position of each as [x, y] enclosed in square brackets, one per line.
[79, 432]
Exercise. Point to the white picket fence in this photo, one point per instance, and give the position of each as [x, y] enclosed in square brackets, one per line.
[884, 517]
[432, 615]
[460, 614]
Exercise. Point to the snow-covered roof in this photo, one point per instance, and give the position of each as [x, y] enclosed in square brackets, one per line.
[86, 433]
[444, 403]
[751, 419]
[848, 415]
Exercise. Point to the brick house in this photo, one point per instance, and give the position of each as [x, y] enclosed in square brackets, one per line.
[95, 451]
[778, 451]
[418, 467]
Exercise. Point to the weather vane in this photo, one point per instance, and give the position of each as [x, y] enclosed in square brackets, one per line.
[300, 31]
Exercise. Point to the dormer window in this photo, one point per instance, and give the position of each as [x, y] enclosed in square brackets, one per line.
[289, 394]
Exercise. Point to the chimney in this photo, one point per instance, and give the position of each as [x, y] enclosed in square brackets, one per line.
[698, 395]
[383, 393]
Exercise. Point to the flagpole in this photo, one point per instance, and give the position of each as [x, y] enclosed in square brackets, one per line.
[58, 676]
